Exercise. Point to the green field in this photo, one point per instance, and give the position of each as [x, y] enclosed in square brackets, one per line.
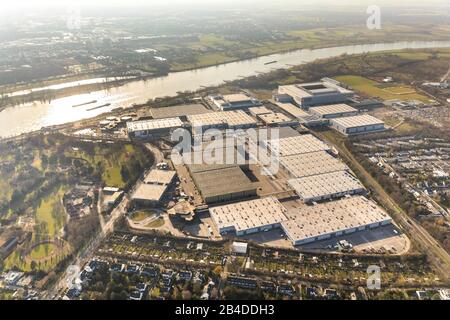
[41, 251]
[383, 91]
[50, 214]
[156, 223]
[141, 215]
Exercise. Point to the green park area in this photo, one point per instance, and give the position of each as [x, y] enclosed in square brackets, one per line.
[35, 176]
[383, 91]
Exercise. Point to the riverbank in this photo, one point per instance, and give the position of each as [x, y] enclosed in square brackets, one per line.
[24, 118]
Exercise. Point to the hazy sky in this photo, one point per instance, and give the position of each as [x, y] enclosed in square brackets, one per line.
[34, 3]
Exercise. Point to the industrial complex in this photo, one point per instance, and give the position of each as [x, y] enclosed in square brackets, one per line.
[329, 198]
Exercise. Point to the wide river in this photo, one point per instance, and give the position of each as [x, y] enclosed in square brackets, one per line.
[33, 116]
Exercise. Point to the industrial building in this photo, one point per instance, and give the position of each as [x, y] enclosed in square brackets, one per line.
[160, 177]
[249, 216]
[221, 182]
[326, 186]
[148, 195]
[357, 124]
[234, 101]
[336, 218]
[277, 119]
[309, 164]
[178, 111]
[296, 145]
[236, 119]
[333, 111]
[153, 128]
[306, 95]
[256, 111]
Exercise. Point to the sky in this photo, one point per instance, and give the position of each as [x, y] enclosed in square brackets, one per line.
[20, 8]
[28, 3]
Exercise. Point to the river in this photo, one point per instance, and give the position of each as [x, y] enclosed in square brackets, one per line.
[33, 116]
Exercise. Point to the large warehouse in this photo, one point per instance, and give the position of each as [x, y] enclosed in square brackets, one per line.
[333, 111]
[153, 128]
[357, 124]
[296, 145]
[178, 111]
[249, 216]
[306, 95]
[323, 221]
[234, 101]
[221, 183]
[326, 186]
[309, 164]
[237, 119]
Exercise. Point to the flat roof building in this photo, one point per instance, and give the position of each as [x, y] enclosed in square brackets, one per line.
[148, 194]
[357, 124]
[296, 145]
[236, 119]
[314, 93]
[333, 111]
[160, 177]
[221, 182]
[248, 217]
[326, 186]
[323, 221]
[234, 101]
[277, 119]
[178, 111]
[309, 164]
[154, 127]
[256, 111]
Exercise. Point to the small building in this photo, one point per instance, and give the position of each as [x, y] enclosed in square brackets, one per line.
[277, 119]
[239, 248]
[160, 177]
[256, 111]
[148, 194]
[357, 124]
[333, 111]
[234, 101]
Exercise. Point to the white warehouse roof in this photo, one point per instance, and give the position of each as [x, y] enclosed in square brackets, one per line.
[331, 109]
[333, 217]
[250, 214]
[296, 145]
[357, 121]
[154, 124]
[313, 163]
[327, 185]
